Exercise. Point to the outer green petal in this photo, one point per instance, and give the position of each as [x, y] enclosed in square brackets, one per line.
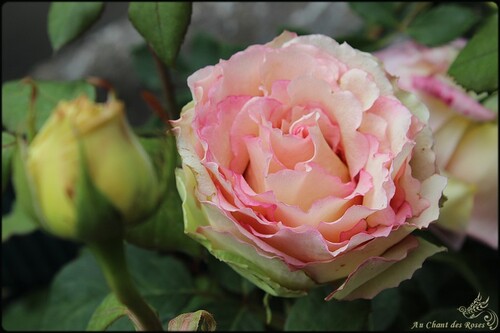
[191, 209]
[376, 274]
[24, 185]
[270, 274]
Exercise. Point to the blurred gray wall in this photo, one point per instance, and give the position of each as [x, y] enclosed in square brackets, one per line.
[104, 51]
[25, 42]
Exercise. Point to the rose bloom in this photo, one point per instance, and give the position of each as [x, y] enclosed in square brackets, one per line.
[304, 164]
[465, 134]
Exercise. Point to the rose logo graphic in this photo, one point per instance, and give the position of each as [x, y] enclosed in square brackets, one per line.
[478, 308]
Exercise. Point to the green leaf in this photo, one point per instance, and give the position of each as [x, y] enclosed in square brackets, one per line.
[8, 148]
[442, 24]
[229, 311]
[68, 20]
[382, 13]
[23, 100]
[476, 66]
[438, 284]
[165, 229]
[17, 223]
[26, 313]
[145, 66]
[365, 43]
[80, 287]
[163, 25]
[429, 29]
[230, 315]
[239, 318]
[300, 31]
[313, 313]
[457, 262]
[109, 311]
[17, 105]
[207, 50]
[228, 278]
[482, 261]
[412, 304]
[162, 151]
[200, 320]
[385, 309]
[164, 281]
[75, 293]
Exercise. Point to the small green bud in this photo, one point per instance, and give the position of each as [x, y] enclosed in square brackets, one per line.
[86, 153]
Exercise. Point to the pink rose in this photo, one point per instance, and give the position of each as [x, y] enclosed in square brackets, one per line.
[304, 164]
[465, 134]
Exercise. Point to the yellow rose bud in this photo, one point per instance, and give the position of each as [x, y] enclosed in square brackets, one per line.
[81, 131]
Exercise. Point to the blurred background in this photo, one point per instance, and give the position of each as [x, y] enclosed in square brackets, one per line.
[113, 50]
[26, 48]
[105, 50]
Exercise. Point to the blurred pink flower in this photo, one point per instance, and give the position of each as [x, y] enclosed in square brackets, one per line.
[465, 133]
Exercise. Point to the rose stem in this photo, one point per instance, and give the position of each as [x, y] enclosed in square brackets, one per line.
[110, 255]
[168, 87]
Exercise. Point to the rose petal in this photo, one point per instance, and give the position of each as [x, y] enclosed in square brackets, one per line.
[454, 97]
[290, 149]
[304, 244]
[331, 229]
[346, 262]
[398, 120]
[358, 82]
[242, 64]
[303, 188]
[281, 39]
[200, 82]
[476, 158]
[432, 189]
[324, 156]
[423, 161]
[262, 162]
[268, 272]
[456, 210]
[327, 209]
[382, 186]
[349, 56]
[387, 271]
[281, 64]
[217, 133]
[447, 138]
